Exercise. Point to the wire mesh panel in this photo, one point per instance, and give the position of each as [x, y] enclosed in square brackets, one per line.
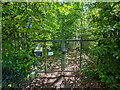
[86, 54]
[53, 53]
[72, 56]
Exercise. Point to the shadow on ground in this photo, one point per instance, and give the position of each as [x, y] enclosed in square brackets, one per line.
[65, 79]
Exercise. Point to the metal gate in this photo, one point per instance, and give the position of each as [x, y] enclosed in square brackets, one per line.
[63, 50]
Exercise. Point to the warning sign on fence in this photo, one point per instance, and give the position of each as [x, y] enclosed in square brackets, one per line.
[38, 50]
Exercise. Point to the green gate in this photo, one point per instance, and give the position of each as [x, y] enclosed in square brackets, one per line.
[63, 51]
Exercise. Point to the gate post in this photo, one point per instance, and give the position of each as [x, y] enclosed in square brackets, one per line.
[80, 53]
[63, 51]
[45, 56]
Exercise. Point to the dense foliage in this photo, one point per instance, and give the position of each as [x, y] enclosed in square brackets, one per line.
[23, 22]
[106, 51]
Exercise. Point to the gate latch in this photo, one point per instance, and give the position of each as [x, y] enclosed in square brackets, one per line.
[64, 51]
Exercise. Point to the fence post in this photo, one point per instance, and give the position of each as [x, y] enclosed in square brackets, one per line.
[63, 53]
[45, 56]
[80, 53]
[62, 46]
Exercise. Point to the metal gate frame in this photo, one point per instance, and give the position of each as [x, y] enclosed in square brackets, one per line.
[62, 55]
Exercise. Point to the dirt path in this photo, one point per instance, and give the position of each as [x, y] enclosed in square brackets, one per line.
[65, 79]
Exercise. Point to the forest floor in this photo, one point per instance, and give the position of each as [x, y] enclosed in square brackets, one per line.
[66, 79]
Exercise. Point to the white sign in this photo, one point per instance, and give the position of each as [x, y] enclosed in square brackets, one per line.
[50, 53]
